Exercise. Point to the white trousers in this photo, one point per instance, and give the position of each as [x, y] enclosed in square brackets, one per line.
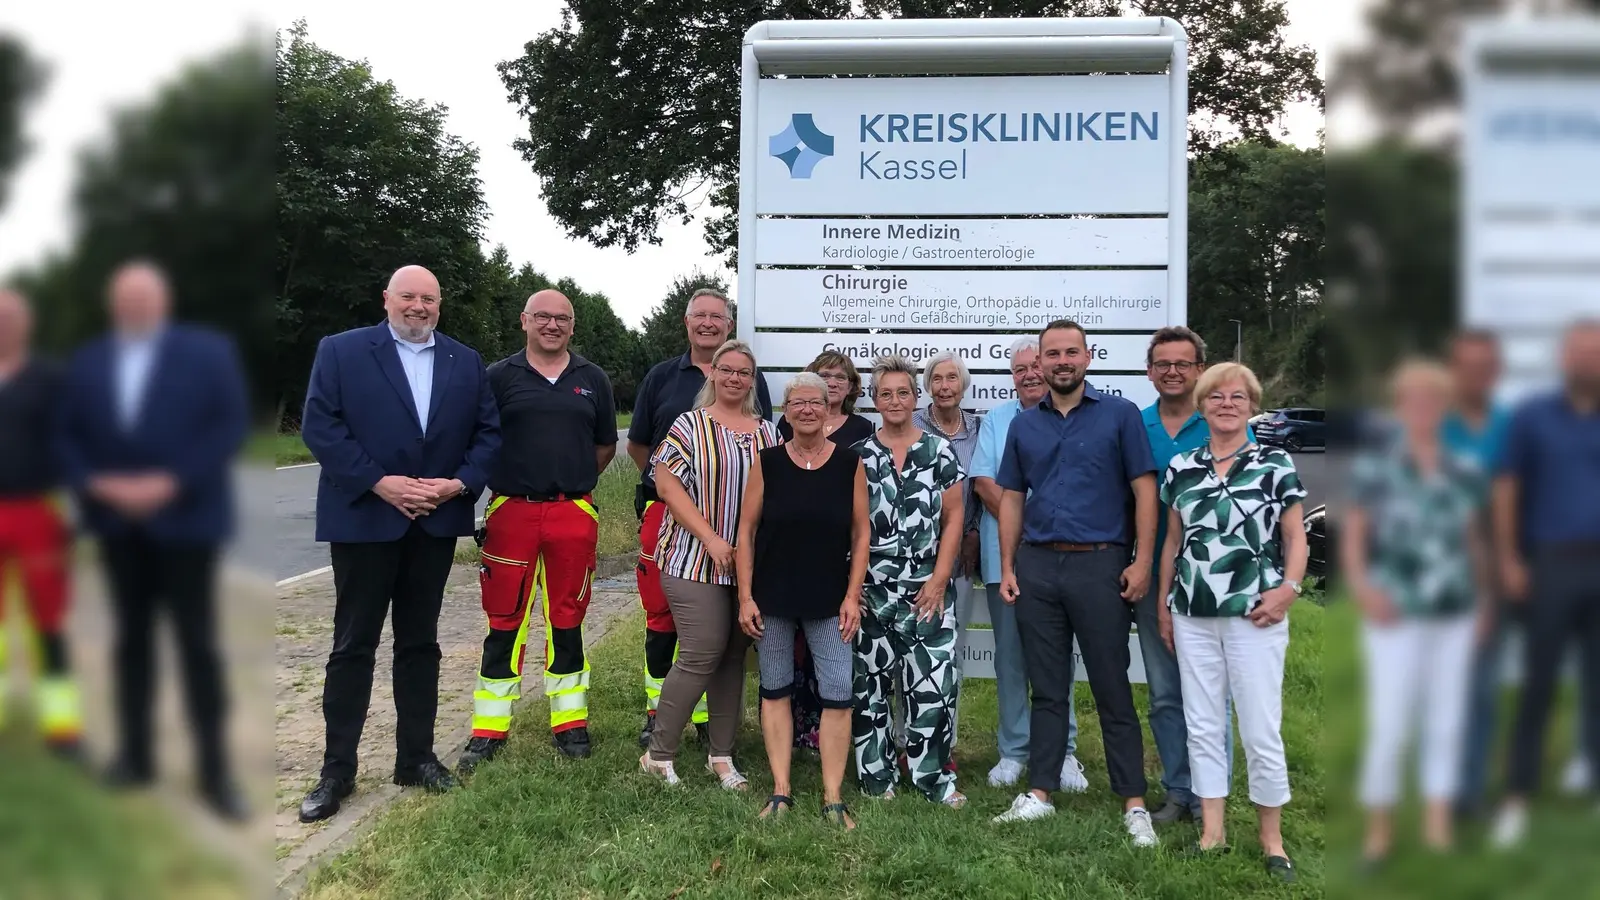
[1229, 655]
[1419, 675]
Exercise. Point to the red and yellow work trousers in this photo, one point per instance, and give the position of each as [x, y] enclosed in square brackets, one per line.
[34, 546]
[540, 551]
[660, 634]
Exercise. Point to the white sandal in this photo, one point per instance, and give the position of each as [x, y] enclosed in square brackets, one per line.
[661, 770]
[733, 781]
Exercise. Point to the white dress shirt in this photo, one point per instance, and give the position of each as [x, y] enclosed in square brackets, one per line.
[417, 360]
[135, 356]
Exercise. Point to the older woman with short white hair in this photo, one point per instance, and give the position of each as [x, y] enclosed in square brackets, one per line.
[945, 380]
[1231, 567]
[802, 557]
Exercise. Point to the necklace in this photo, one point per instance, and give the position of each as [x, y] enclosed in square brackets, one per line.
[947, 432]
[1236, 452]
[808, 457]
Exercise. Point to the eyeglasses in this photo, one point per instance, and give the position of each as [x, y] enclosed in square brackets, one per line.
[903, 395]
[798, 405]
[730, 373]
[835, 378]
[1237, 398]
[540, 318]
[1167, 365]
[707, 317]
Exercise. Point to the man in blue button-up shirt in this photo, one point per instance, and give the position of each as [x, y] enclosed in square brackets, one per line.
[1067, 469]
[1173, 425]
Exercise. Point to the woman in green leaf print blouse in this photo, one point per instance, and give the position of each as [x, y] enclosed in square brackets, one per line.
[1231, 567]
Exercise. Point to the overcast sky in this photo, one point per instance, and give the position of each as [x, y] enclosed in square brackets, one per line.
[440, 52]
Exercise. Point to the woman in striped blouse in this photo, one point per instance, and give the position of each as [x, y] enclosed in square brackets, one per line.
[700, 471]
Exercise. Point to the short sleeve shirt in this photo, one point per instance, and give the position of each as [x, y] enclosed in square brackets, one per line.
[1419, 527]
[1231, 550]
[712, 462]
[550, 429]
[905, 507]
[668, 391]
[986, 464]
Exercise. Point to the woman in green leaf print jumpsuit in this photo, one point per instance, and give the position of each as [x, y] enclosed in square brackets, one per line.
[908, 624]
[1231, 567]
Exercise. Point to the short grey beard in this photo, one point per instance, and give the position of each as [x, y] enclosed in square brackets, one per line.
[415, 334]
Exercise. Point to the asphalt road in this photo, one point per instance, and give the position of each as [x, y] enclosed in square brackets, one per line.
[284, 543]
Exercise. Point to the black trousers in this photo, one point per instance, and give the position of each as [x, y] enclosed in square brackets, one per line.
[147, 576]
[1563, 605]
[1067, 594]
[410, 574]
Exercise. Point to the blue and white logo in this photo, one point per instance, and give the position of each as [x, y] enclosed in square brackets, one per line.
[801, 146]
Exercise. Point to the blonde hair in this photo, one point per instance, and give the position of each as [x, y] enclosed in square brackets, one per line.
[894, 365]
[1223, 373]
[1421, 372]
[708, 391]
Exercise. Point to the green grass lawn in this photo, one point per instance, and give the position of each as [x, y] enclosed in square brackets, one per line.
[535, 825]
[278, 448]
[63, 837]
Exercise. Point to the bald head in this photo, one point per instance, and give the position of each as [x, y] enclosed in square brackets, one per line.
[412, 303]
[547, 318]
[16, 324]
[141, 298]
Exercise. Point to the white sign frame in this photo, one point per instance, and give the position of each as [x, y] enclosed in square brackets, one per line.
[962, 47]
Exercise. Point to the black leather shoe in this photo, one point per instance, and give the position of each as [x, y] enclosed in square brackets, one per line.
[125, 775]
[1172, 811]
[649, 729]
[430, 776]
[573, 743]
[226, 801]
[68, 750]
[702, 733]
[479, 750]
[323, 801]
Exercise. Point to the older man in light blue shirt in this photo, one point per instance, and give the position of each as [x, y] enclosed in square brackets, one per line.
[416, 357]
[1010, 673]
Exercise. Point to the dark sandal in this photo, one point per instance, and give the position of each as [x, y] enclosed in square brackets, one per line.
[1281, 868]
[839, 814]
[775, 806]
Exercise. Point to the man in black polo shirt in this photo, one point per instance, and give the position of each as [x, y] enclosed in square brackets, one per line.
[558, 422]
[666, 393]
[33, 537]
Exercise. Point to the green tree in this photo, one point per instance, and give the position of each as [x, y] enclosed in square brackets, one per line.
[185, 179]
[368, 181]
[21, 80]
[633, 108]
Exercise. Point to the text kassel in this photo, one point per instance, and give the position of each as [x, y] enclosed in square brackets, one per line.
[978, 128]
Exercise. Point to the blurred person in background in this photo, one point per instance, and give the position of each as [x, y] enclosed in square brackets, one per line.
[1069, 465]
[700, 471]
[558, 427]
[1547, 548]
[1474, 428]
[844, 427]
[403, 421]
[1010, 669]
[1414, 557]
[668, 391]
[34, 537]
[802, 559]
[908, 619]
[1175, 360]
[945, 379]
[153, 415]
[1231, 568]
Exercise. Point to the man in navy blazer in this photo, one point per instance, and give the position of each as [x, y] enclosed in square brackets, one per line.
[404, 424]
[151, 419]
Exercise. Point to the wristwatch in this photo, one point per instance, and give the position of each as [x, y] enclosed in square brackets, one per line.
[1295, 585]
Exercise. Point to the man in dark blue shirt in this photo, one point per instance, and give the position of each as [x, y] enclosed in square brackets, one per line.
[1064, 553]
[1547, 535]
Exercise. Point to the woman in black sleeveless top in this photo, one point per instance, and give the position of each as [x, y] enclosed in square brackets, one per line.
[802, 557]
[845, 427]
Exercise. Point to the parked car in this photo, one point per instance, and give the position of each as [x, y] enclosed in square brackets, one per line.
[1319, 559]
[1293, 428]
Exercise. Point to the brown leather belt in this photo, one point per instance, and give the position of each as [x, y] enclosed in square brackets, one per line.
[1060, 547]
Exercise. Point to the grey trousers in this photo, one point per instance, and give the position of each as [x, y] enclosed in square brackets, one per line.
[711, 651]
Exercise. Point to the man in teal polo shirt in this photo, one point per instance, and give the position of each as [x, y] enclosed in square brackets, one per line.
[1010, 673]
[1175, 359]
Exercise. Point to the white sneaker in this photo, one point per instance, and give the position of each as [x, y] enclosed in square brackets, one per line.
[1509, 827]
[1139, 827]
[1578, 777]
[1005, 773]
[1025, 808]
[1073, 781]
